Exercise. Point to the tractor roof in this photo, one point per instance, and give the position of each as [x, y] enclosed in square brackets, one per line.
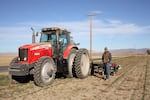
[54, 29]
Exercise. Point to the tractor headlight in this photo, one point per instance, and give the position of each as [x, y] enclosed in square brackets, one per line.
[25, 58]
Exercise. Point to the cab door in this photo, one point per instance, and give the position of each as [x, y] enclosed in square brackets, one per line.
[63, 38]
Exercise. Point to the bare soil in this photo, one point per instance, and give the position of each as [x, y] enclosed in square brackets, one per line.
[132, 82]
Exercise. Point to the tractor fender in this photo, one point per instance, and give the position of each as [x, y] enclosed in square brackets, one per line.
[67, 51]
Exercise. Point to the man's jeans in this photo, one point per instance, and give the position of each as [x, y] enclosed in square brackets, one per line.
[107, 70]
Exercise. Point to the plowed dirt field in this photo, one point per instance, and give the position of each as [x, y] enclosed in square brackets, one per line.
[131, 82]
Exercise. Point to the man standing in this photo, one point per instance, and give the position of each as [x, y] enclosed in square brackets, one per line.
[106, 58]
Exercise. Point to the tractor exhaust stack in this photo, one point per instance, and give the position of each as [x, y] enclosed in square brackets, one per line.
[33, 35]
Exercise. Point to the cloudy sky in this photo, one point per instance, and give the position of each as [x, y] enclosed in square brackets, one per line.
[118, 24]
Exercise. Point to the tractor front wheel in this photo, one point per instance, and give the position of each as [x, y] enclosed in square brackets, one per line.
[44, 71]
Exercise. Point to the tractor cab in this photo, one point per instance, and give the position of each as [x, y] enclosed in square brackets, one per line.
[59, 39]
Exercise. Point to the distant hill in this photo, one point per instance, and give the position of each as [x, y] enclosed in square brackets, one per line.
[123, 52]
[130, 51]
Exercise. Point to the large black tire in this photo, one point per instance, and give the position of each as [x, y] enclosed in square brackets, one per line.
[82, 63]
[17, 79]
[44, 71]
[70, 62]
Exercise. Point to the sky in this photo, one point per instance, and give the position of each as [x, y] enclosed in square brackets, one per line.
[117, 24]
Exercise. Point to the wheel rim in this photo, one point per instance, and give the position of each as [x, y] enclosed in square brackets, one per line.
[84, 64]
[47, 72]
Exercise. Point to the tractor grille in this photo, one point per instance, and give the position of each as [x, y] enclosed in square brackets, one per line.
[23, 54]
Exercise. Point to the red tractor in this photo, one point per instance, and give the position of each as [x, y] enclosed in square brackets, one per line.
[56, 53]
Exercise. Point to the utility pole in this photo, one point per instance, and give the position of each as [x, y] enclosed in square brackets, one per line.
[91, 15]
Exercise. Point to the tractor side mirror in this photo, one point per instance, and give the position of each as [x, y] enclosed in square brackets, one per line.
[77, 44]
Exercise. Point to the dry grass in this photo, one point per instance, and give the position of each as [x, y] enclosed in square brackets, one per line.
[4, 80]
[6, 59]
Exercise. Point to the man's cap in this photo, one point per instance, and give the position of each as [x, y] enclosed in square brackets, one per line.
[106, 49]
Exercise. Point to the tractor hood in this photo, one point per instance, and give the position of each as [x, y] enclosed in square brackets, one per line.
[36, 46]
[30, 53]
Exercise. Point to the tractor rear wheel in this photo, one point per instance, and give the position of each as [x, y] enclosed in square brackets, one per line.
[82, 63]
[44, 73]
[70, 62]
